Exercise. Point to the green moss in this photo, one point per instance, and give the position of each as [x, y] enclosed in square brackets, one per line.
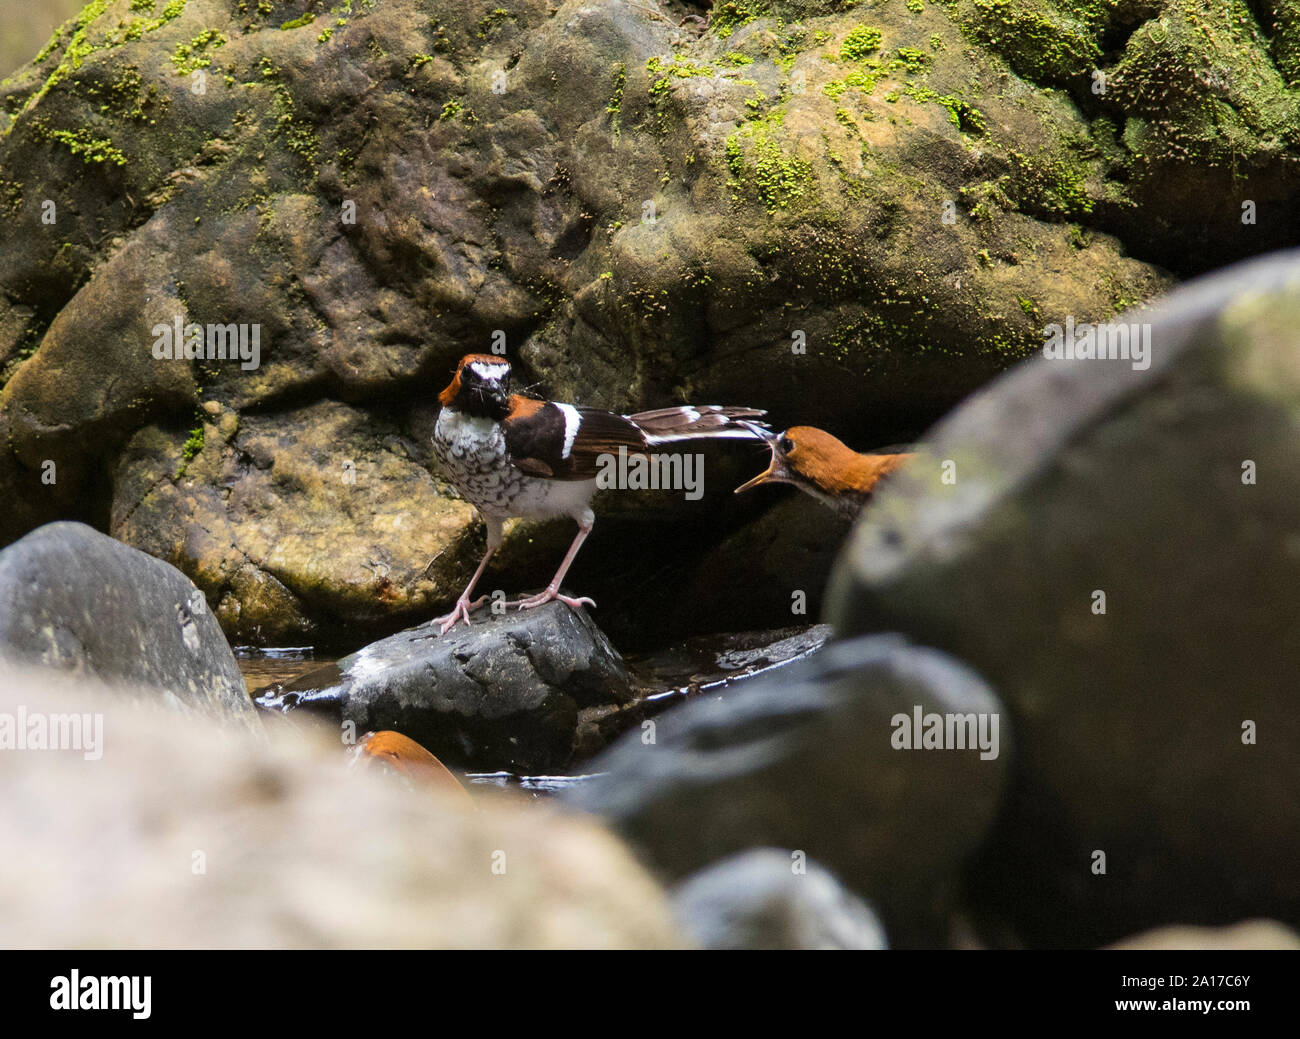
[863, 79]
[194, 444]
[1284, 28]
[441, 38]
[417, 60]
[859, 43]
[297, 23]
[760, 166]
[451, 109]
[615, 106]
[330, 30]
[663, 73]
[128, 98]
[11, 194]
[79, 46]
[912, 59]
[985, 200]
[1053, 186]
[916, 6]
[493, 20]
[730, 15]
[616, 94]
[51, 46]
[298, 134]
[735, 60]
[194, 55]
[678, 68]
[962, 115]
[1199, 87]
[81, 142]
[1040, 42]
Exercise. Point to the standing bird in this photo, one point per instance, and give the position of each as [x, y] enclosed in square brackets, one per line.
[816, 462]
[514, 456]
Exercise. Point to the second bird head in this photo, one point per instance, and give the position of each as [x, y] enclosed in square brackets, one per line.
[788, 451]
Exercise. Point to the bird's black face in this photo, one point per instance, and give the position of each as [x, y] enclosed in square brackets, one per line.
[484, 387]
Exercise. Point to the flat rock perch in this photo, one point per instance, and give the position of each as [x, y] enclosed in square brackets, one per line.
[502, 694]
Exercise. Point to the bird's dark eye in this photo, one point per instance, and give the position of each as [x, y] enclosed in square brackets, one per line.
[786, 444]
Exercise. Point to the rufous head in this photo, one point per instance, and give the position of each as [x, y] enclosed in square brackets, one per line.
[801, 455]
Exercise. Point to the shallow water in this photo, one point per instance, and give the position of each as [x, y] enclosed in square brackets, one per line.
[262, 667]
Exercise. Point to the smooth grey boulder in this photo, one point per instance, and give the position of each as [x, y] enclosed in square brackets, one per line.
[770, 899]
[504, 693]
[1161, 733]
[805, 760]
[77, 600]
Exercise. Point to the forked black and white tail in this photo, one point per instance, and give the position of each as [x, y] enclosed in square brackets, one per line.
[696, 422]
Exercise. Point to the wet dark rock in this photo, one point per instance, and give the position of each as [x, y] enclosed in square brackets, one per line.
[772, 571]
[696, 667]
[803, 760]
[1175, 491]
[709, 663]
[769, 899]
[75, 600]
[505, 693]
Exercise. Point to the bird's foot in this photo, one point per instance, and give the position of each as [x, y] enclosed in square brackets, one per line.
[460, 611]
[552, 595]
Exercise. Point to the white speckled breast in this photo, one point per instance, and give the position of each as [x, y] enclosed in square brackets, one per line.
[472, 452]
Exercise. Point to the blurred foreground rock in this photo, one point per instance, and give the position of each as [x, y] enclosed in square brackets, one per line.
[803, 760]
[1120, 557]
[1251, 934]
[181, 836]
[763, 899]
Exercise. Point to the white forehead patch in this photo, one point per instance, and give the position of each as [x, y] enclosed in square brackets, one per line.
[572, 420]
[489, 372]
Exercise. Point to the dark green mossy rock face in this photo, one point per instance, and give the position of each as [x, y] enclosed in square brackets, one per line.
[851, 214]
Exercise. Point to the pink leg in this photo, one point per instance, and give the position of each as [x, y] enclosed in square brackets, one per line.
[552, 592]
[463, 605]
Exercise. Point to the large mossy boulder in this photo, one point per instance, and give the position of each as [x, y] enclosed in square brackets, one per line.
[851, 214]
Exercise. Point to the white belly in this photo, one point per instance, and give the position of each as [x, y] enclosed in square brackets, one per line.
[473, 455]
